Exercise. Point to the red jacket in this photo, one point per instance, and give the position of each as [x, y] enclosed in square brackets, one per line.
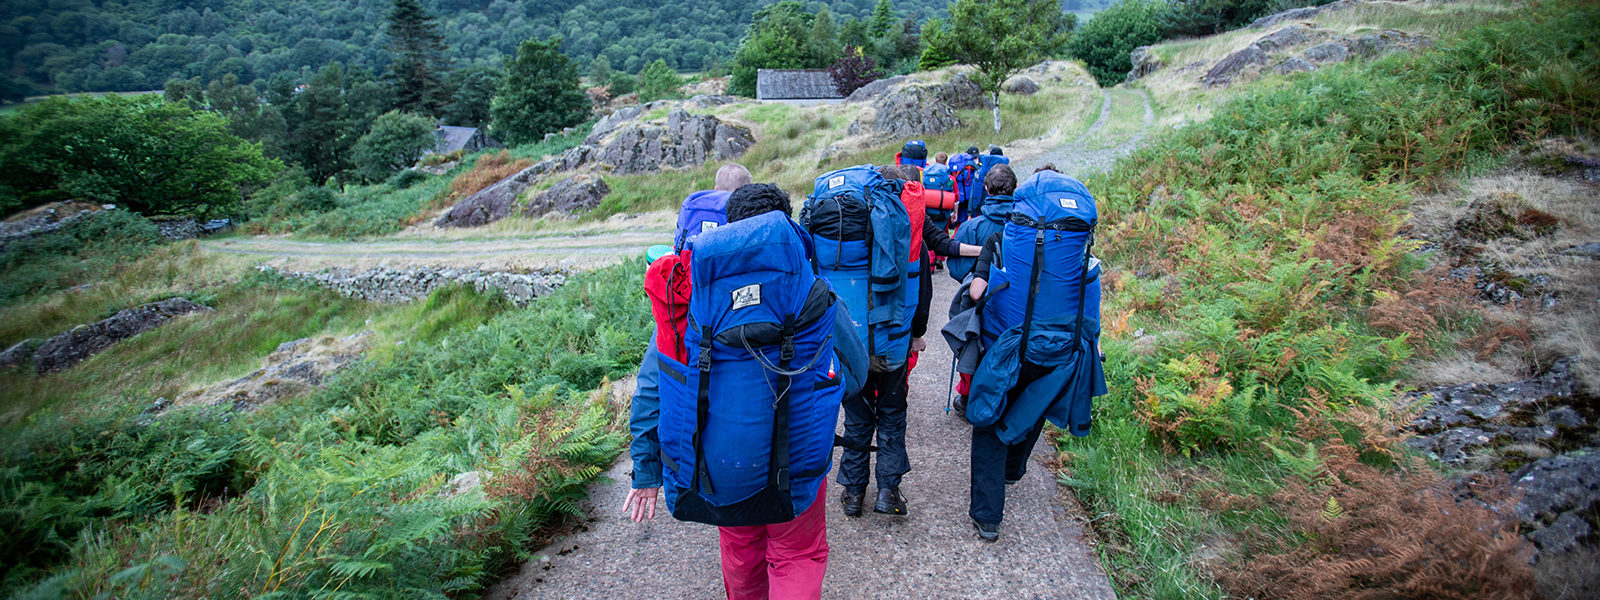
[667, 284]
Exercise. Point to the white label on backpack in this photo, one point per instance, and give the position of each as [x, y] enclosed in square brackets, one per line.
[1069, 203]
[835, 182]
[707, 226]
[749, 295]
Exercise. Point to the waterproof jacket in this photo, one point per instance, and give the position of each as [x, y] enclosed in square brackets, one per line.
[995, 211]
[1063, 396]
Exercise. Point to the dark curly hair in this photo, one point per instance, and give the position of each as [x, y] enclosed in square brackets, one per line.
[757, 199]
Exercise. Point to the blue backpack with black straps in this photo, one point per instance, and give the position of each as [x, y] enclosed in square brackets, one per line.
[701, 211]
[862, 236]
[969, 189]
[986, 162]
[747, 425]
[1047, 262]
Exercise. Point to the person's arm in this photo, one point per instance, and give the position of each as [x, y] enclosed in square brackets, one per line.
[976, 289]
[919, 319]
[644, 416]
[934, 238]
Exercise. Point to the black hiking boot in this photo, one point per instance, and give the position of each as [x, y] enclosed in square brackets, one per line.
[890, 502]
[850, 501]
[988, 532]
[960, 407]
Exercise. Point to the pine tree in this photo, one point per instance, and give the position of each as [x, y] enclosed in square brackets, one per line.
[882, 19]
[419, 55]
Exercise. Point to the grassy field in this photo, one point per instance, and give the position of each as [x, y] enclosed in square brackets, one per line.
[1248, 447]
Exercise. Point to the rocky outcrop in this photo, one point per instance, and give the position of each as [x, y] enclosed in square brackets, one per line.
[872, 90]
[1229, 67]
[685, 140]
[493, 203]
[1293, 35]
[1560, 509]
[45, 219]
[914, 108]
[395, 286]
[1293, 64]
[1144, 63]
[1300, 14]
[1502, 425]
[81, 342]
[572, 196]
[1021, 86]
[18, 354]
[293, 369]
[1327, 52]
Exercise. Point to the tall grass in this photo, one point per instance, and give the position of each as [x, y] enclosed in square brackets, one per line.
[347, 492]
[1247, 250]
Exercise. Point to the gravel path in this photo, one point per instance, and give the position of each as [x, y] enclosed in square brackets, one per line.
[1103, 143]
[932, 553]
[505, 254]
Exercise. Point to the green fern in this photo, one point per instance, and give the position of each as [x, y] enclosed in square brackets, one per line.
[1331, 511]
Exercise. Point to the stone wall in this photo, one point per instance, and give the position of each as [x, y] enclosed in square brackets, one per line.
[396, 286]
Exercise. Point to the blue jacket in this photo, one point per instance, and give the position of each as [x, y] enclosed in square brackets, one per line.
[645, 413]
[996, 209]
[1063, 396]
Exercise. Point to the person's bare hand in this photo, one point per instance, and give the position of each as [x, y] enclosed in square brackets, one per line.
[641, 503]
[917, 345]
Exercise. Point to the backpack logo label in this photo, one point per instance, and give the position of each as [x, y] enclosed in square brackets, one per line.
[835, 182]
[746, 296]
[1069, 203]
[707, 226]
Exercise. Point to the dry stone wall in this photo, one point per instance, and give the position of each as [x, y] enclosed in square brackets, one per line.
[396, 286]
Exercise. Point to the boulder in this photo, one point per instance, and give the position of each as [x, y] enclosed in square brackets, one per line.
[915, 109]
[685, 141]
[1327, 52]
[1293, 64]
[291, 370]
[18, 353]
[572, 196]
[1293, 14]
[1230, 66]
[1292, 35]
[1470, 424]
[1381, 43]
[81, 342]
[1021, 86]
[177, 228]
[1144, 63]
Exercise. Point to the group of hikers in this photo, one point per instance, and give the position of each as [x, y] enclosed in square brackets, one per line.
[767, 327]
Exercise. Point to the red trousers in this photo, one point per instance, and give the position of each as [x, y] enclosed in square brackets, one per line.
[785, 561]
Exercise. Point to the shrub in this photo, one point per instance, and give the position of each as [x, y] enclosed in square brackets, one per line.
[1105, 42]
[405, 179]
[83, 250]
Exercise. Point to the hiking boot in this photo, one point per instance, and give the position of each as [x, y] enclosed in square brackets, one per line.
[890, 502]
[850, 501]
[960, 407]
[988, 532]
[1010, 481]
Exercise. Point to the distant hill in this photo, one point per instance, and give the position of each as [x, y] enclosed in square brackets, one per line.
[77, 45]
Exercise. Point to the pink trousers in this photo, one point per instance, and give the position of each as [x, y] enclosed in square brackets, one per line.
[785, 561]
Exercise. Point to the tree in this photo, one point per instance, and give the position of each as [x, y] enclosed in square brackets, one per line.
[824, 35]
[853, 70]
[1106, 41]
[882, 19]
[143, 153]
[474, 90]
[395, 142]
[541, 94]
[419, 49]
[1000, 38]
[1207, 17]
[658, 81]
[776, 39]
[600, 70]
[932, 59]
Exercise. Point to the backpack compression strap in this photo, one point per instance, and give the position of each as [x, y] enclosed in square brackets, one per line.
[1033, 292]
[1083, 285]
[702, 479]
[778, 466]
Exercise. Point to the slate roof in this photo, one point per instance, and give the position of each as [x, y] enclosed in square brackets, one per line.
[452, 138]
[794, 84]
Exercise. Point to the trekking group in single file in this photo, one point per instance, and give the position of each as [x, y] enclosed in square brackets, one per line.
[767, 327]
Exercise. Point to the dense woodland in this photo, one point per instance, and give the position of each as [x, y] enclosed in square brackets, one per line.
[107, 45]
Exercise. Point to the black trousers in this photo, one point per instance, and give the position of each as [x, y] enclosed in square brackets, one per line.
[880, 408]
[994, 462]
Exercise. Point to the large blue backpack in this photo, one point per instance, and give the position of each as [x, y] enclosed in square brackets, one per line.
[969, 189]
[862, 236]
[701, 211]
[761, 367]
[937, 177]
[1047, 262]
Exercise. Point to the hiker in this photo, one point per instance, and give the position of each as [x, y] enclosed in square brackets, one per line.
[935, 241]
[983, 229]
[705, 209]
[939, 200]
[963, 169]
[942, 158]
[862, 233]
[1041, 319]
[769, 323]
[914, 153]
